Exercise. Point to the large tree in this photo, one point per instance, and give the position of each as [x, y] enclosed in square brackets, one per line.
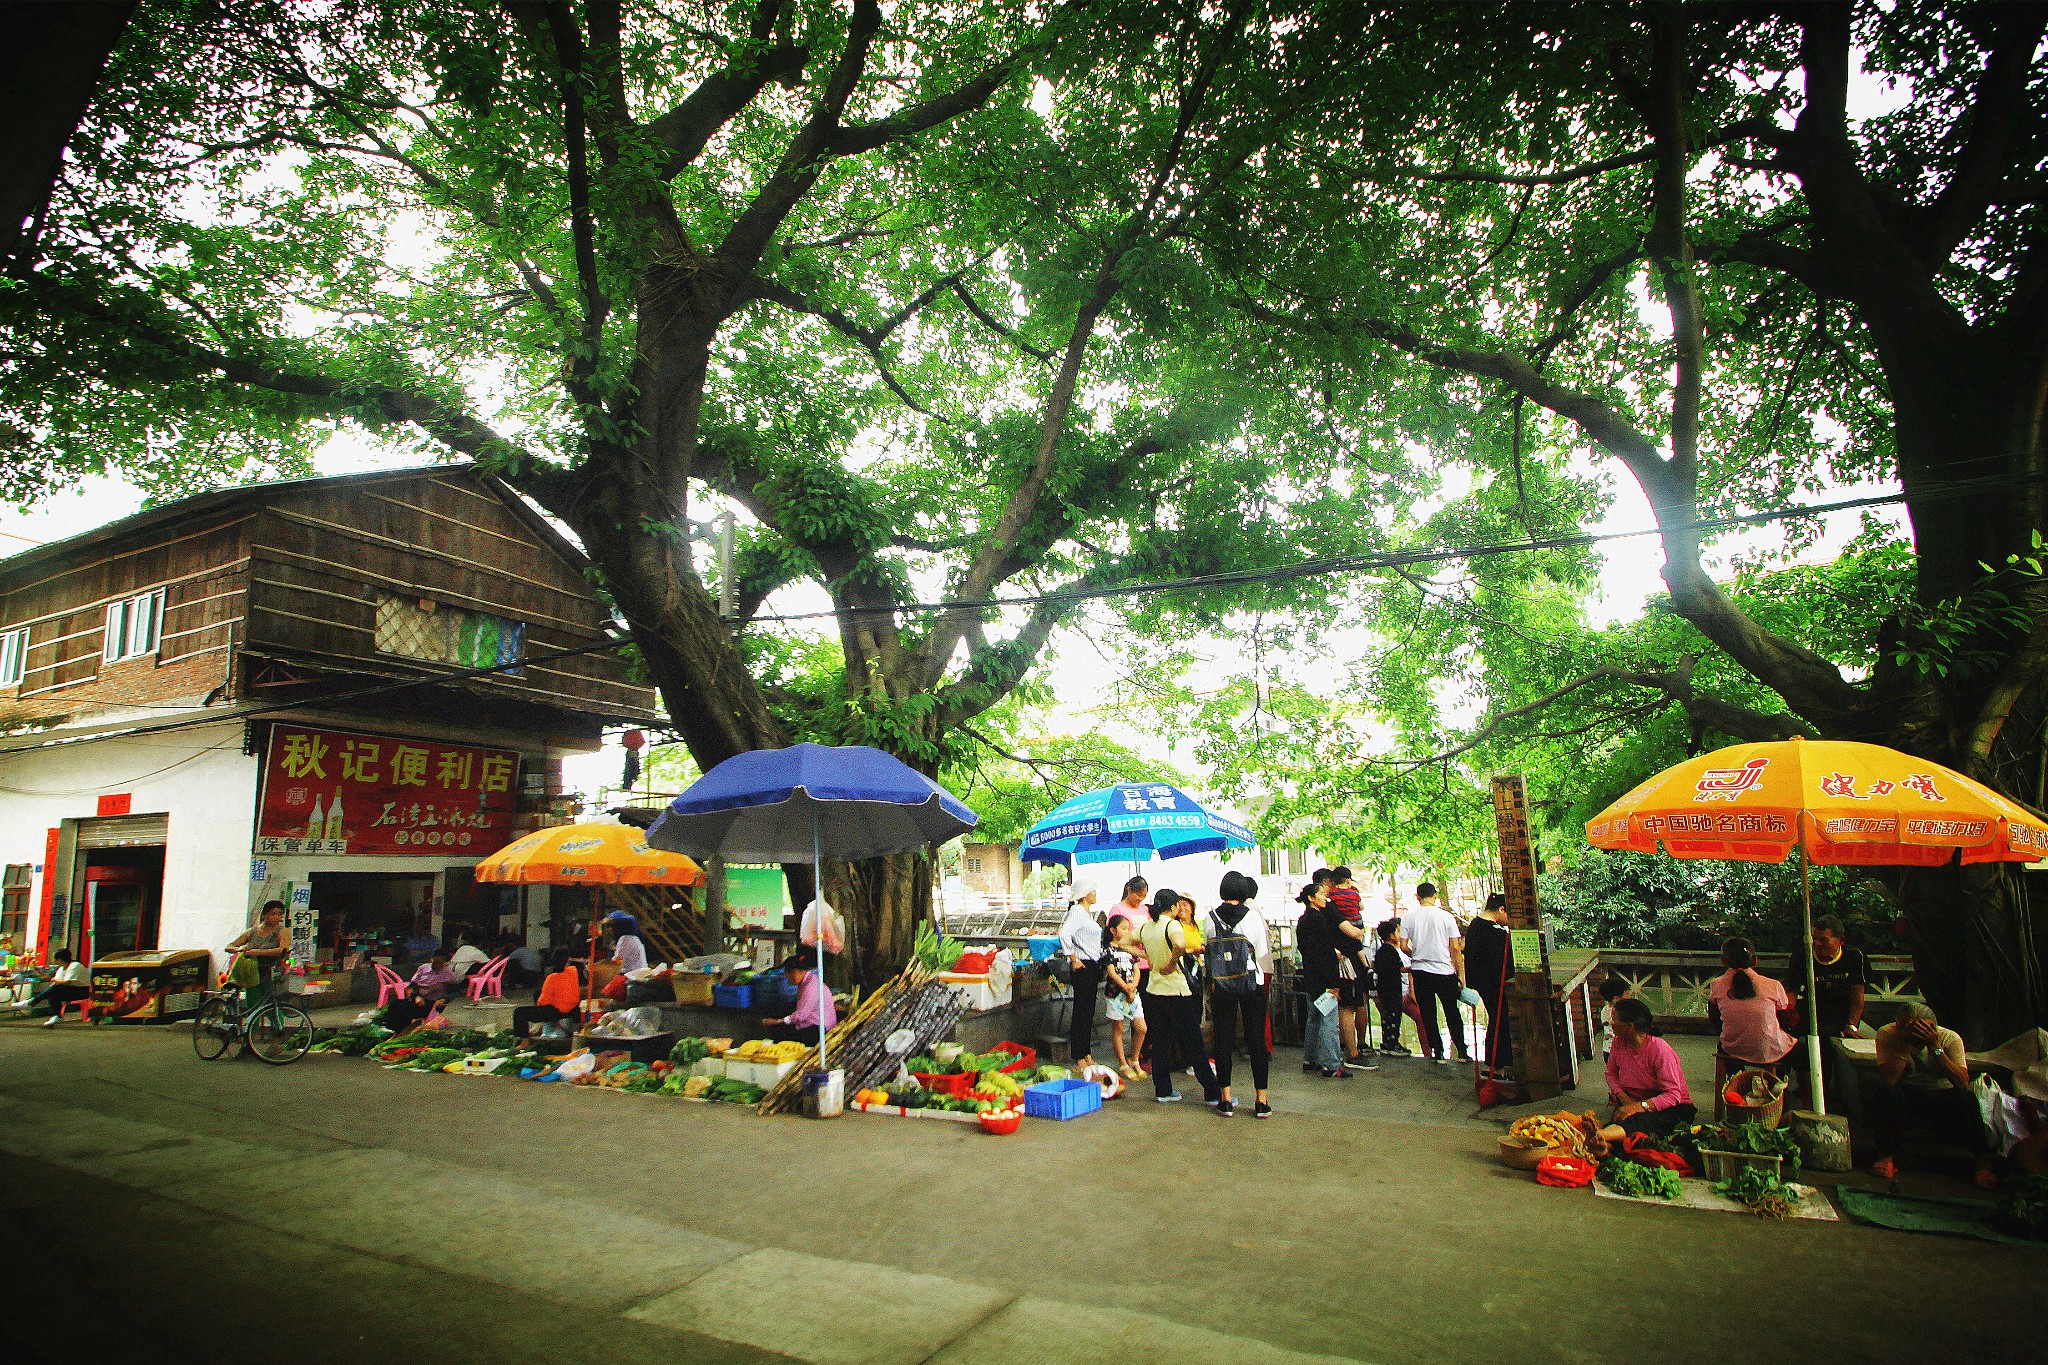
[1745, 253]
[936, 294]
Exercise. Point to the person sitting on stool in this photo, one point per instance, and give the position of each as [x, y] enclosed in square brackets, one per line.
[68, 984]
[813, 1001]
[429, 987]
[1923, 1080]
[560, 1000]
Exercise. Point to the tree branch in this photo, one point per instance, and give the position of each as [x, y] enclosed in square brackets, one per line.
[1997, 116]
[871, 339]
[987, 320]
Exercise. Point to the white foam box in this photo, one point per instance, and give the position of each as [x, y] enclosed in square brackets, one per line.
[976, 990]
[763, 1074]
[714, 1067]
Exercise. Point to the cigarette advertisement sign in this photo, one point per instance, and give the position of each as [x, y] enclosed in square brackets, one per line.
[335, 791]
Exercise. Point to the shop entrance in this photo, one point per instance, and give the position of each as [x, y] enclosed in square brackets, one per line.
[124, 892]
[117, 885]
[375, 913]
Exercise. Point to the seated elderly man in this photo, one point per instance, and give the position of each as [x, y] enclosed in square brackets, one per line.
[1923, 1081]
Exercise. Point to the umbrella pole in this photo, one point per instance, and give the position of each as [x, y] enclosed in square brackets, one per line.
[818, 903]
[590, 976]
[1820, 1096]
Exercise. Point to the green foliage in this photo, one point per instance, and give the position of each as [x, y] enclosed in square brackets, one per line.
[1641, 900]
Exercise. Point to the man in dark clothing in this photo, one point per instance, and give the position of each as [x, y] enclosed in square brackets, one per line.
[1486, 962]
[1316, 937]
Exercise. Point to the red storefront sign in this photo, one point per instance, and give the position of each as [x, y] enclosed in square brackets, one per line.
[334, 791]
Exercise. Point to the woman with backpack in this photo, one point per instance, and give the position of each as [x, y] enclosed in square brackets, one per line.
[1171, 1007]
[1238, 957]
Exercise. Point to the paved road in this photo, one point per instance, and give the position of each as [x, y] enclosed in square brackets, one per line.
[357, 1215]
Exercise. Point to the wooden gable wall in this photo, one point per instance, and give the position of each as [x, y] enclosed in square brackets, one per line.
[323, 557]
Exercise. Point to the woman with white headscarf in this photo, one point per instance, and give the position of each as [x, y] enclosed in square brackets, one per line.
[1081, 941]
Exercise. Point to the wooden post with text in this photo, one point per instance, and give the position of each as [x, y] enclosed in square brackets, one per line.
[1544, 1062]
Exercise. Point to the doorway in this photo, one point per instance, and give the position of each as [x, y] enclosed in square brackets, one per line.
[124, 891]
[375, 913]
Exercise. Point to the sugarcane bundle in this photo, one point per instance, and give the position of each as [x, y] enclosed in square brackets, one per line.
[926, 1012]
[785, 1093]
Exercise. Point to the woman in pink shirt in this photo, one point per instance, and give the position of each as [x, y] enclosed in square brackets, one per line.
[1644, 1080]
[1744, 1004]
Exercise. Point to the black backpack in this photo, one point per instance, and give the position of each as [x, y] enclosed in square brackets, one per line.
[1230, 961]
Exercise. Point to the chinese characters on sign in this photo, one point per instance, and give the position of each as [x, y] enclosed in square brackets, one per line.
[331, 791]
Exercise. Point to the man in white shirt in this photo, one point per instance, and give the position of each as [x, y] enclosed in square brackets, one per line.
[67, 983]
[1081, 941]
[1436, 967]
[466, 958]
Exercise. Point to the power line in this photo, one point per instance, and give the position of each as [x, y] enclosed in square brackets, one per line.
[1307, 568]
[1390, 559]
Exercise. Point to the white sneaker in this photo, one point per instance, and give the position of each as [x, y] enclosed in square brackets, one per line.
[51, 1022]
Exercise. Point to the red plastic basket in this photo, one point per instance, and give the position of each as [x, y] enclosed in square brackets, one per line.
[1027, 1057]
[1004, 1126]
[958, 1084]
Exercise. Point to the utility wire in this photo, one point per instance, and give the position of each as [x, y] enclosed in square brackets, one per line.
[1307, 568]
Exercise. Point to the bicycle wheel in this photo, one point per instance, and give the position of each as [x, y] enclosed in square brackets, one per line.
[280, 1034]
[213, 1029]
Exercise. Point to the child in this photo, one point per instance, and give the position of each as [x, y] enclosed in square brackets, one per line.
[1612, 988]
[1389, 974]
[1122, 972]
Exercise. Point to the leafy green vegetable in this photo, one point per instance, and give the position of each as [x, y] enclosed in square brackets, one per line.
[689, 1051]
[1757, 1140]
[1638, 1181]
[2024, 1210]
[433, 1059]
[1763, 1193]
[921, 1066]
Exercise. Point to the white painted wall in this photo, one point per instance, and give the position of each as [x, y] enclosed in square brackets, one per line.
[199, 778]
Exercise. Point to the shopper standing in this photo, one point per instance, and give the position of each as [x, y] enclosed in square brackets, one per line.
[1390, 980]
[1317, 942]
[1436, 964]
[1354, 972]
[1171, 1007]
[1240, 963]
[1487, 952]
[1081, 941]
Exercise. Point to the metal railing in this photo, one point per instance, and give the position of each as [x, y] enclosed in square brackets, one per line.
[1675, 984]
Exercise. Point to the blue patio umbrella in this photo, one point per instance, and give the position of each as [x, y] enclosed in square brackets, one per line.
[1130, 823]
[807, 803]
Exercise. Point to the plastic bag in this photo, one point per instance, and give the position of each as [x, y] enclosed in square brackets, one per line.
[570, 1068]
[245, 973]
[1111, 1083]
[834, 931]
[633, 1023]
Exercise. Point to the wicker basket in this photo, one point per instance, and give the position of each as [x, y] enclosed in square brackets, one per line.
[1720, 1165]
[1769, 1115]
[1522, 1153]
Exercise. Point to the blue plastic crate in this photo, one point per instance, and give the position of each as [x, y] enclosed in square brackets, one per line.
[733, 997]
[1068, 1099]
[773, 994]
[1043, 946]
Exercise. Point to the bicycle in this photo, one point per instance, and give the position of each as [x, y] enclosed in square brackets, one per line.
[277, 1033]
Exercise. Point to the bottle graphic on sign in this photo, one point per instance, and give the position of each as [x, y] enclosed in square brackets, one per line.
[316, 827]
[334, 831]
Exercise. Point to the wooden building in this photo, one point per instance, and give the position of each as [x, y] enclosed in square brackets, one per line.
[251, 691]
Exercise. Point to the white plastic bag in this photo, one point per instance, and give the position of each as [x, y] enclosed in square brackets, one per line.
[637, 1022]
[834, 930]
[1111, 1083]
[579, 1065]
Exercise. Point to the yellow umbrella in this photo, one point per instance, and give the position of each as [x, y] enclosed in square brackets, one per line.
[588, 855]
[1836, 801]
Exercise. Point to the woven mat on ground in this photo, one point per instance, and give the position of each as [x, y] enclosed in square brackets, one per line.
[1699, 1194]
[1951, 1217]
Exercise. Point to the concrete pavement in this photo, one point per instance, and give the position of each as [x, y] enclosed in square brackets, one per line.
[1369, 1221]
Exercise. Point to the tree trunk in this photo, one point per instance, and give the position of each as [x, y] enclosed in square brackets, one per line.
[1977, 941]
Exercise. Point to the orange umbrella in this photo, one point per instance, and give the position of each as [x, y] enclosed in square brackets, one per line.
[588, 855]
[1839, 801]
[1836, 801]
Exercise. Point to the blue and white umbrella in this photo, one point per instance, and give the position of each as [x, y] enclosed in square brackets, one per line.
[1130, 823]
[807, 803]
